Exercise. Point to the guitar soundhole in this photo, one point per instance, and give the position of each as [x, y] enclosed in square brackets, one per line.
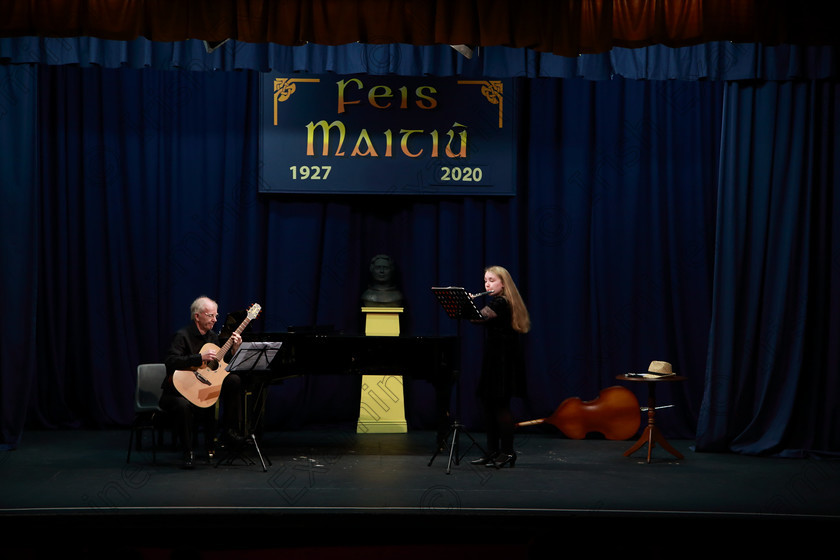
[213, 365]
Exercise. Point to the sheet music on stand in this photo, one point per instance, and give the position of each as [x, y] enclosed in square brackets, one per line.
[457, 303]
[254, 356]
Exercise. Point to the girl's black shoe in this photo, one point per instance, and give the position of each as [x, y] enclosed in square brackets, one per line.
[503, 459]
[485, 460]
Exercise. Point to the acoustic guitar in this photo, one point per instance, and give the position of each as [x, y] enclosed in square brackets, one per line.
[202, 385]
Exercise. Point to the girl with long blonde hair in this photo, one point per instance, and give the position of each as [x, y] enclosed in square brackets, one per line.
[502, 377]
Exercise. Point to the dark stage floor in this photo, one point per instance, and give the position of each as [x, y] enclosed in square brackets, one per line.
[333, 493]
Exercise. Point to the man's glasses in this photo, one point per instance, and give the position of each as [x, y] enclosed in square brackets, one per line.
[212, 315]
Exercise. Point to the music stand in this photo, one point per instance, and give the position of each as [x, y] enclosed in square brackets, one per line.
[251, 358]
[458, 305]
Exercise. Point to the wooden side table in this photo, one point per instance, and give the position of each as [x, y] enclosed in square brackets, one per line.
[651, 434]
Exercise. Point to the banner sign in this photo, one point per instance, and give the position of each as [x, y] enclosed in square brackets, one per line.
[395, 135]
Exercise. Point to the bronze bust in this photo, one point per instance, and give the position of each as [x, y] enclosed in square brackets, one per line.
[382, 291]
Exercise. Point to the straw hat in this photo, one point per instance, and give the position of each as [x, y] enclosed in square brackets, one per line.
[660, 368]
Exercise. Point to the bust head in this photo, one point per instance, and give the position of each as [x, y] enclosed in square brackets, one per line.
[382, 290]
[382, 270]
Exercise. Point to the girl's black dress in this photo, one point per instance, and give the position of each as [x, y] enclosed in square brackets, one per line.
[503, 367]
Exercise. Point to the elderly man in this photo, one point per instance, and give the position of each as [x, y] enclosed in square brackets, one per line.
[192, 346]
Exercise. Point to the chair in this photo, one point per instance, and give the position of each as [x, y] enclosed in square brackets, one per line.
[146, 409]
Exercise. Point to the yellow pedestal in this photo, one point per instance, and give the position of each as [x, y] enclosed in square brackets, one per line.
[381, 406]
[382, 321]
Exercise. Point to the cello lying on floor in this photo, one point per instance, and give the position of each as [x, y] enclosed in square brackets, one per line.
[614, 413]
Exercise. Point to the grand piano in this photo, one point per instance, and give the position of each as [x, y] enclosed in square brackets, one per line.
[322, 351]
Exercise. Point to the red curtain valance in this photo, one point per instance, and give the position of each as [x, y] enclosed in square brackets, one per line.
[564, 27]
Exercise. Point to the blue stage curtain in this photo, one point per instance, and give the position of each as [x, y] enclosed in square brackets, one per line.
[708, 61]
[619, 236]
[772, 369]
[141, 175]
[654, 220]
[148, 198]
[20, 195]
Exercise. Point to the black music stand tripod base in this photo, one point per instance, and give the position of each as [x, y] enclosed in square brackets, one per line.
[240, 450]
[252, 357]
[455, 431]
[457, 304]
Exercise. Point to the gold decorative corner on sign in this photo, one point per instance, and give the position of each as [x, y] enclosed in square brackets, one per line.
[284, 88]
[492, 91]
